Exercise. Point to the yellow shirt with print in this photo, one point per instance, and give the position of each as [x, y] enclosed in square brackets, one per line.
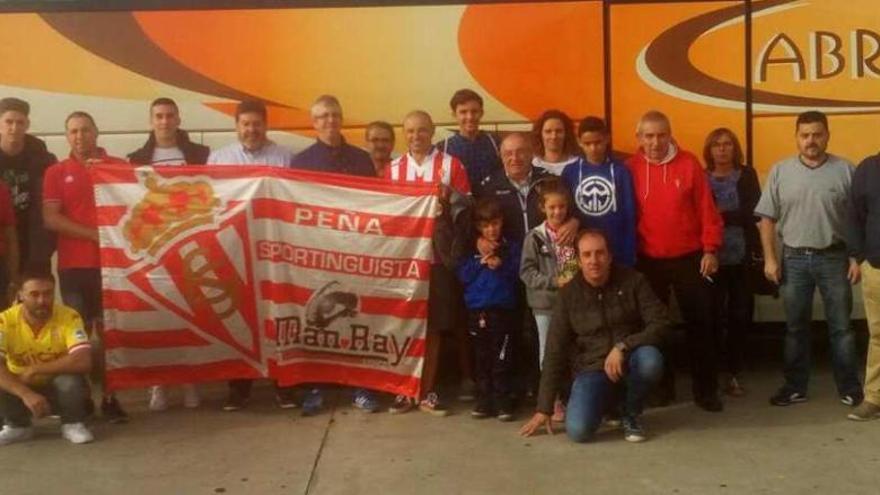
[63, 334]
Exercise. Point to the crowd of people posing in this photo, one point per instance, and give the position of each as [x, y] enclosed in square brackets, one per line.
[555, 262]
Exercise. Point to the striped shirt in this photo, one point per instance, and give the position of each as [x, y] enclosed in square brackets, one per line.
[437, 167]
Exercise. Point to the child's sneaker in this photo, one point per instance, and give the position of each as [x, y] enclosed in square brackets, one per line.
[402, 404]
[866, 411]
[312, 402]
[365, 401]
[482, 410]
[432, 405]
[632, 429]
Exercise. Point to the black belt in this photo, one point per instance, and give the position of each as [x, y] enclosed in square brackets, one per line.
[836, 247]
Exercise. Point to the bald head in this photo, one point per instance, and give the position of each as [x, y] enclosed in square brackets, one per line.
[418, 129]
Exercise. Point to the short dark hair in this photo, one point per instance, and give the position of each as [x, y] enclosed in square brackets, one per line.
[591, 231]
[463, 96]
[812, 117]
[79, 114]
[486, 210]
[33, 273]
[379, 124]
[569, 143]
[592, 124]
[163, 101]
[738, 156]
[251, 106]
[14, 105]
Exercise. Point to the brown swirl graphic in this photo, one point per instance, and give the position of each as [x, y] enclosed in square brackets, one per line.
[667, 59]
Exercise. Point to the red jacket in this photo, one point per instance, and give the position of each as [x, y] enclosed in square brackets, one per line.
[676, 210]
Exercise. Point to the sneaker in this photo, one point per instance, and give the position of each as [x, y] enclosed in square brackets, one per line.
[112, 411]
[402, 404]
[158, 398]
[852, 400]
[76, 433]
[632, 429]
[733, 387]
[558, 412]
[482, 410]
[865, 411]
[191, 399]
[467, 391]
[285, 400]
[612, 421]
[235, 402]
[365, 401]
[505, 415]
[12, 434]
[432, 405]
[787, 398]
[312, 402]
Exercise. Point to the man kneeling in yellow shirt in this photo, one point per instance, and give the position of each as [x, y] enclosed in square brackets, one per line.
[44, 356]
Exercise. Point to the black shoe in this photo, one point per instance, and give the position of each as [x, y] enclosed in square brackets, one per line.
[235, 401]
[852, 400]
[112, 411]
[482, 410]
[710, 404]
[285, 400]
[505, 415]
[785, 397]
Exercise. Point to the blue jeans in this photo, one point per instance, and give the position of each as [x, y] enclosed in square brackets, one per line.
[592, 391]
[66, 394]
[802, 273]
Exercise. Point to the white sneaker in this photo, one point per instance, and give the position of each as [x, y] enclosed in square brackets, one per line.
[76, 433]
[191, 398]
[12, 434]
[158, 399]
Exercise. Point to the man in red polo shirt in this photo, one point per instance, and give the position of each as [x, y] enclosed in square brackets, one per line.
[69, 210]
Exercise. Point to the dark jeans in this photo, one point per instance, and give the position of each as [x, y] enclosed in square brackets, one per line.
[66, 394]
[734, 305]
[801, 275]
[592, 391]
[694, 295]
[81, 290]
[491, 333]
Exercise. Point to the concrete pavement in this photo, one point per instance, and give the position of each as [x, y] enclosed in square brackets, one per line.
[751, 448]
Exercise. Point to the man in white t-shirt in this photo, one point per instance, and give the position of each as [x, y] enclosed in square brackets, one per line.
[167, 143]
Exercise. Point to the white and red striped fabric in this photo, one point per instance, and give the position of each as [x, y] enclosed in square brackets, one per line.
[437, 167]
[213, 273]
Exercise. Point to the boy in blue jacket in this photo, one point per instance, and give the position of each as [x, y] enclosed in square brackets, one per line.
[491, 296]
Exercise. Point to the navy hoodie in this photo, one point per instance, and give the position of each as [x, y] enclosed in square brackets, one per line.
[603, 199]
[485, 288]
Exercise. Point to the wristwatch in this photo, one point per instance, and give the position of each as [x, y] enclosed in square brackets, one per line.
[620, 346]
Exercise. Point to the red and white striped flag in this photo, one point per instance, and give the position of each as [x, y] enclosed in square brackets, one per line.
[213, 273]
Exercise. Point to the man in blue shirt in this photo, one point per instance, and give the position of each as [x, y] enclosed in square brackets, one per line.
[477, 150]
[331, 153]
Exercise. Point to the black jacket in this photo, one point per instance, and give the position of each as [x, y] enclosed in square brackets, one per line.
[516, 225]
[194, 154]
[25, 182]
[587, 322]
[864, 218]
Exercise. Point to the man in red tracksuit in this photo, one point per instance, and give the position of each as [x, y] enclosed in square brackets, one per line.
[679, 233]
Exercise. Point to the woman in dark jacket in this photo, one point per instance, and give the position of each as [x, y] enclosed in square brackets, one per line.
[736, 190]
